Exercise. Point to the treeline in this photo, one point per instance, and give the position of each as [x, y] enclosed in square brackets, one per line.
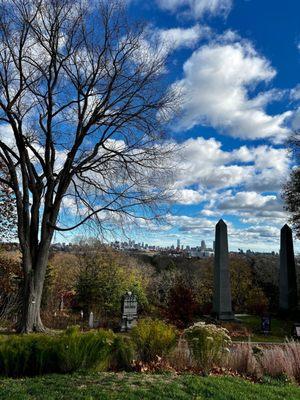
[94, 278]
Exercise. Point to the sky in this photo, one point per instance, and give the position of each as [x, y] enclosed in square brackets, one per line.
[237, 64]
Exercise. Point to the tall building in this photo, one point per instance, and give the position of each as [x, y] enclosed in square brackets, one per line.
[178, 244]
[203, 245]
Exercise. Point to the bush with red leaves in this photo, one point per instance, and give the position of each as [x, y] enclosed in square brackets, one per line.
[182, 306]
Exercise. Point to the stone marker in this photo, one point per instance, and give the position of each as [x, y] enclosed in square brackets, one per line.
[296, 331]
[91, 320]
[61, 303]
[222, 307]
[287, 272]
[129, 312]
[266, 324]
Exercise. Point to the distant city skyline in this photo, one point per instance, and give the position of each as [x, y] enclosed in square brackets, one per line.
[239, 68]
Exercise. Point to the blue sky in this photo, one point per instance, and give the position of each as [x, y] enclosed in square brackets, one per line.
[237, 61]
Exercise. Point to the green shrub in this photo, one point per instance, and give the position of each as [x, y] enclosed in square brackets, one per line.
[152, 338]
[122, 354]
[207, 344]
[84, 350]
[69, 351]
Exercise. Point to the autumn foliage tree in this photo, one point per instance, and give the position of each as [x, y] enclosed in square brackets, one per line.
[82, 102]
[10, 288]
[7, 208]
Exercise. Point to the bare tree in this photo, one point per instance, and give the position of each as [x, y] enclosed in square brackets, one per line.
[82, 101]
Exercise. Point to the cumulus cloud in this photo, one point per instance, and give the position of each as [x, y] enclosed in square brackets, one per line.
[197, 8]
[193, 229]
[218, 81]
[189, 224]
[250, 207]
[176, 38]
[188, 196]
[159, 43]
[295, 93]
[295, 121]
[250, 201]
[204, 164]
[243, 182]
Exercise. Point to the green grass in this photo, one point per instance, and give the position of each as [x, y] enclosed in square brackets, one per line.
[134, 386]
[280, 329]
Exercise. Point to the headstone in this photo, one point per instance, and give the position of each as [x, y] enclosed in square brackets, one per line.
[222, 307]
[61, 303]
[296, 331]
[91, 320]
[287, 272]
[266, 324]
[81, 319]
[129, 312]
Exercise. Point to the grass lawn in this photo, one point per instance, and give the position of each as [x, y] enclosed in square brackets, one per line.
[133, 386]
[280, 329]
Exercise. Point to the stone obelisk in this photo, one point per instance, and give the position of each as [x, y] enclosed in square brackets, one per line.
[222, 307]
[287, 272]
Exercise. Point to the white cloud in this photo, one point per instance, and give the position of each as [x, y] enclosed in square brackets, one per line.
[197, 8]
[296, 120]
[243, 182]
[158, 43]
[7, 136]
[176, 38]
[188, 197]
[206, 165]
[295, 93]
[250, 201]
[193, 229]
[217, 84]
[186, 223]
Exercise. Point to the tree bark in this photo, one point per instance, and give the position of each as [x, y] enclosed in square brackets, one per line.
[30, 320]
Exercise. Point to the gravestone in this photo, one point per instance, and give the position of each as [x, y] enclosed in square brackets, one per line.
[287, 272]
[91, 320]
[296, 331]
[266, 324]
[222, 307]
[61, 303]
[129, 312]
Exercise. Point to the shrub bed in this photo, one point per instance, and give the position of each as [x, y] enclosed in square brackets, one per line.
[279, 362]
[152, 338]
[35, 354]
[207, 344]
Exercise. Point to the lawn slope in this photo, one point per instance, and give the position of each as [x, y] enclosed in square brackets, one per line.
[131, 386]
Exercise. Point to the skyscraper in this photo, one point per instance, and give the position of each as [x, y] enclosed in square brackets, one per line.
[203, 245]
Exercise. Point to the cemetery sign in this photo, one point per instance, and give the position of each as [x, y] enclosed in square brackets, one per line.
[129, 311]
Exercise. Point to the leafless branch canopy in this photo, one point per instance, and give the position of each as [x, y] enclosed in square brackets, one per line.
[82, 103]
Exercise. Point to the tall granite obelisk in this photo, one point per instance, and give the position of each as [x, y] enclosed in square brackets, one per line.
[222, 307]
[287, 272]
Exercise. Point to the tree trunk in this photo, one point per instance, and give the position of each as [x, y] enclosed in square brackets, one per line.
[30, 318]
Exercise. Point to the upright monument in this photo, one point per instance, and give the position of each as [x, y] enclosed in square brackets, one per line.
[287, 272]
[222, 307]
[129, 312]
